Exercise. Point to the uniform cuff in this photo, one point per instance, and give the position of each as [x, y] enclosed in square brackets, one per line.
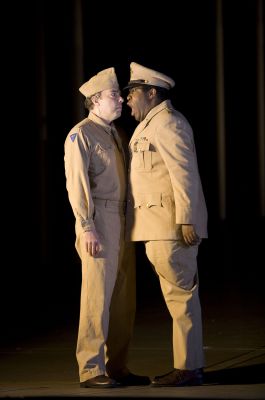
[87, 225]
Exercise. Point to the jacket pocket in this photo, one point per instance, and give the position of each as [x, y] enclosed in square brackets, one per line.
[161, 206]
[100, 158]
[141, 156]
[148, 200]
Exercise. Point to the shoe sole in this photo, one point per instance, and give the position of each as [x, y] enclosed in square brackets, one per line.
[98, 386]
[189, 383]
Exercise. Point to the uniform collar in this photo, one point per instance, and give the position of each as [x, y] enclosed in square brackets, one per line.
[154, 111]
[99, 121]
[157, 109]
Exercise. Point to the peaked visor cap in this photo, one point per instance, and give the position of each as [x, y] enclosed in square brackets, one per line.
[141, 75]
[104, 80]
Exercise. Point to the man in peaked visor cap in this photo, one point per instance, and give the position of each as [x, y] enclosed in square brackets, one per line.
[166, 210]
[141, 75]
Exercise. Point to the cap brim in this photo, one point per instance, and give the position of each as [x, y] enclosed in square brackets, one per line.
[135, 83]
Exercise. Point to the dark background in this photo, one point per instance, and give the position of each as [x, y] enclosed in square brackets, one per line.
[43, 65]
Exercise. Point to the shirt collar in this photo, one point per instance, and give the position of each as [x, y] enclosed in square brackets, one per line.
[99, 121]
[161, 106]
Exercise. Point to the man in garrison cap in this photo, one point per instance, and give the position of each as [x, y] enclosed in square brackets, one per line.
[167, 211]
[96, 184]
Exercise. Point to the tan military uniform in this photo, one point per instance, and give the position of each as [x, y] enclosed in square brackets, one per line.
[165, 191]
[96, 184]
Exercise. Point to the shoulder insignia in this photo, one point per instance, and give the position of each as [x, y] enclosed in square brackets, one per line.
[73, 136]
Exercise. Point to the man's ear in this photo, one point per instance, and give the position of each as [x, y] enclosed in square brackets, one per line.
[95, 99]
[152, 93]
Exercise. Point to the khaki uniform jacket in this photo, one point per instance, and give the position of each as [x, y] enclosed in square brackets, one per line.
[94, 168]
[164, 184]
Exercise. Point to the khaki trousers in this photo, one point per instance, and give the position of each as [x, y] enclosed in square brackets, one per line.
[107, 306]
[176, 267]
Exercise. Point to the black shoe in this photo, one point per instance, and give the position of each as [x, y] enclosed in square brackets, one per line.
[133, 380]
[179, 377]
[100, 381]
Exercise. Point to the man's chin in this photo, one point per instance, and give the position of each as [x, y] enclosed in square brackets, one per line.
[135, 116]
[118, 114]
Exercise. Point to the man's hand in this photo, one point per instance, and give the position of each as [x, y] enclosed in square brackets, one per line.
[189, 235]
[92, 243]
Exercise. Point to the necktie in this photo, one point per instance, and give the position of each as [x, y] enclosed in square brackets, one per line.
[118, 142]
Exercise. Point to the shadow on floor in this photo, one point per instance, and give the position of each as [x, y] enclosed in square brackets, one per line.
[251, 374]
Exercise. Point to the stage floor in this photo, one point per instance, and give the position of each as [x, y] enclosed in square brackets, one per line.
[44, 365]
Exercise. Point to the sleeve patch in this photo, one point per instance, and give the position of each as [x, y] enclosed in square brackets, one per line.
[73, 136]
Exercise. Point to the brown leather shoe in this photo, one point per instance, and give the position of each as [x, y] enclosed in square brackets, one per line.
[100, 381]
[179, 377]
[133, 380]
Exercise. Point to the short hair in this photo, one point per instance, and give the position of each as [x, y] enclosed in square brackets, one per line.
[89, 103]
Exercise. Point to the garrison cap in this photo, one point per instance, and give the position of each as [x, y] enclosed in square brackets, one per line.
[141, 75]
[104, 80]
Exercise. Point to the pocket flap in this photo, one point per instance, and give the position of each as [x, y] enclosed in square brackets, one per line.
[141, 144]
[148, 200]
[102, 147]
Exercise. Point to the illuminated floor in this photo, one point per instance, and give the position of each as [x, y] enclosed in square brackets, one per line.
[234, 338]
